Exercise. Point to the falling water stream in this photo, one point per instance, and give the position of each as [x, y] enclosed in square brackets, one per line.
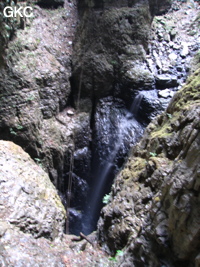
[126, 127]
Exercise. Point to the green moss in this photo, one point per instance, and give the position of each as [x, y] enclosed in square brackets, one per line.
[134, 168]
[195, 63]
[164, 130]
[189, 94]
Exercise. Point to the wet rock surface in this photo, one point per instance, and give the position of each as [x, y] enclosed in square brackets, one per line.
[126, 60]
[115, 130]
[153, 211]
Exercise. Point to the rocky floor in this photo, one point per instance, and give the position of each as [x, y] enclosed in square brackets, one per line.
[19, 250]
[174, 43]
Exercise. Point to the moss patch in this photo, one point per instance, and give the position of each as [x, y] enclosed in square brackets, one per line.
[189, 93]
[134, 168]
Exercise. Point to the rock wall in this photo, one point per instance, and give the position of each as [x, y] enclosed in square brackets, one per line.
[35, 84]
[155, 6]
[7, 30]
[153, 212]
[106, 39]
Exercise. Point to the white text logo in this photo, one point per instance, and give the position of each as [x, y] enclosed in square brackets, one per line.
[13, 12]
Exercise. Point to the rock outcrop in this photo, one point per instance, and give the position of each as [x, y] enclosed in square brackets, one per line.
[153, 212]
[121, 53]
[28, 199]
[35, 84]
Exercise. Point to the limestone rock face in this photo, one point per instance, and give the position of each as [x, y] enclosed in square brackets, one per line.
[105, 50]
[153, 212]
[28, 199]
[34, 83]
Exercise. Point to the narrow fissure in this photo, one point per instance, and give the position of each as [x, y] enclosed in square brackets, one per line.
[113, 130]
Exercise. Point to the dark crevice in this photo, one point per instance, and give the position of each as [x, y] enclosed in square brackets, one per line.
[71, 98]
[50, 4]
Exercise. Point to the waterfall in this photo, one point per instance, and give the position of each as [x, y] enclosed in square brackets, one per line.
[125, 133]
[136, 104]
[96, 194]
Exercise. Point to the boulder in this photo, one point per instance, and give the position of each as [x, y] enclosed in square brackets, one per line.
[32, 217]
[166, 81]
[165, 93]
[28, 199]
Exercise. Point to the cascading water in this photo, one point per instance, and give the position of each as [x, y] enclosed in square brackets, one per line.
[116, 130]
[136, 104]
